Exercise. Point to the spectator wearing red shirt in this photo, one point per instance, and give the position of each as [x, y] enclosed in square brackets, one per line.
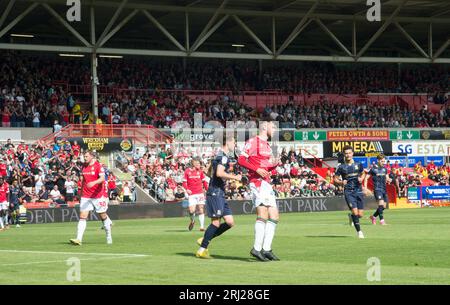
[3, 172]
[6, 117]
[431, 166]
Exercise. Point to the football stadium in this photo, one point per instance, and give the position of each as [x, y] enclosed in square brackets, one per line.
[224, 142]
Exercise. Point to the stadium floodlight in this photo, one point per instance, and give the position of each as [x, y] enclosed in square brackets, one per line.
[110, 56]
[71, 55]
[22, 35]
[238, 45]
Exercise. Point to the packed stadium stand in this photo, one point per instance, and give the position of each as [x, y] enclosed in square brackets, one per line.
[34, 92]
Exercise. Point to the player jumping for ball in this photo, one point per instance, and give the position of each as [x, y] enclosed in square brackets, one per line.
[258, 159]
[216, 205]
[92, 197]
[380, 176]
[194, 182]
[352, 174]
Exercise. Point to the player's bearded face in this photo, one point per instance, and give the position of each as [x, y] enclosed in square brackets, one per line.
[348, 155]
[270, 130]
[383, 162]
[87, 158]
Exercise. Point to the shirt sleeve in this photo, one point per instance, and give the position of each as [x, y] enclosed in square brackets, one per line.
[339, 171]
[360, 168]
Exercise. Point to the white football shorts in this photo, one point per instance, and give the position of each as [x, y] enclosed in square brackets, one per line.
[100, 205]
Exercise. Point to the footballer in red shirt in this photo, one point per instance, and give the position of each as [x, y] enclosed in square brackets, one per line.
[3, 166]
[195, 183]
[92, 197]
[258, 159]
[4, 206]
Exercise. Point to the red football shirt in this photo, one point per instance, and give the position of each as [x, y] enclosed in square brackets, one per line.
[4, 191]
[76, 150]
[3, 170]
[111, 182]
[92, 173]
[194, 180]
[258, 153]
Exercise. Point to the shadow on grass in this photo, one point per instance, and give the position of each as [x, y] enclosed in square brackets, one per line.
[328, 236]
[225, 257]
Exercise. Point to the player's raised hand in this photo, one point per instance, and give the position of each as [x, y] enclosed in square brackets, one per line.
[262, 172]
[189, 192]
[344, 182]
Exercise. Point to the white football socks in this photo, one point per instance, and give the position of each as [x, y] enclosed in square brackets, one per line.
[1, 223]
[269, 233]
[260, 226]
[201, 218]
[107, 226]
[81, 228]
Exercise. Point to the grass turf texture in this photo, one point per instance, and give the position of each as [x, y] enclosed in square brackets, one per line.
[315, 248]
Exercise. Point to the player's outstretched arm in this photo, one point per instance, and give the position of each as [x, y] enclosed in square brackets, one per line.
[366, 179]
[220, 172]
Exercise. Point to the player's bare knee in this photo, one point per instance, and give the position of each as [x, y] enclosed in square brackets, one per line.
[215, 222]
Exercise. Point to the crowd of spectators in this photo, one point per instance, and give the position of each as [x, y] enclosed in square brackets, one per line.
[161, 173]
[429, 174]
[30, 94]
[48, 175]
[171, 110]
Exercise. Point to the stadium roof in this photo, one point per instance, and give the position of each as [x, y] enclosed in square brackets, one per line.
[414, 31]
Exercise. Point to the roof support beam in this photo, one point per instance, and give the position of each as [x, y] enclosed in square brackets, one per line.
[274, 36]
[286, 5]
[117, 51]
[243, 12]
[17, 19]
[441, 50]
[297, 30]
[100, 43]
[113, 19]
[205, 30]
[381, 29]
[430, 40]
[92, 12]
[338, 42]
[209, 33]
[163, 30]
[66, 24]
[354, 39]
[6, 12]
[411, 40]
[187, 39]
[252, 34]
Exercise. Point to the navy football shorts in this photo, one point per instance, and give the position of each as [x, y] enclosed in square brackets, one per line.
[380, 195]
[217, 206]
[354, 200]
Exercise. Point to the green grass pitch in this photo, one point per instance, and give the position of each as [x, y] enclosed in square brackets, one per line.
[315, 248]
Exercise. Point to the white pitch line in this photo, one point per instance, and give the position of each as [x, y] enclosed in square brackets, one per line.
[61, 261]
[76, 253]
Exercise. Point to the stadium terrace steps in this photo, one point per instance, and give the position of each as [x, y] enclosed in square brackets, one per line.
[141, 194]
